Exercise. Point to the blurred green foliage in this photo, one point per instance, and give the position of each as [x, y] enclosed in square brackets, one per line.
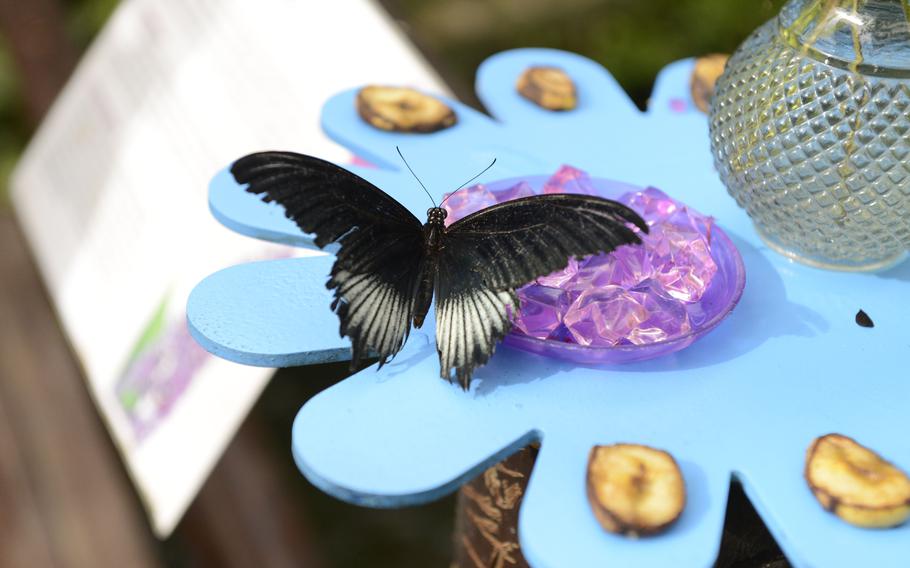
[84, 18]
[12, 130]
[634, 39]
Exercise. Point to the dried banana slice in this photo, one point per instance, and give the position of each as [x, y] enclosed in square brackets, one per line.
[856, 484]
[634, 490]
[400, 109]
[548, 87]
[707, 71]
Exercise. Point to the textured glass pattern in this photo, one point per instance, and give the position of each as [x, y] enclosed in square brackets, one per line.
[817, 154]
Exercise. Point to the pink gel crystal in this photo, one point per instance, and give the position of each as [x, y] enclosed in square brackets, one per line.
[517, 191]
[542, 308]
[604, 316]
[635, 295]
[569, 180]
[651, 203]
[468, 200]
[561, 278]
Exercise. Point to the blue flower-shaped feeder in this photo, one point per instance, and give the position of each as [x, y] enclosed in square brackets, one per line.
[788, 365]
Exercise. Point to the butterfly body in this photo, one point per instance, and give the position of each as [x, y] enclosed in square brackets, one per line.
[434, 234]
[389, 267]
[434, 230]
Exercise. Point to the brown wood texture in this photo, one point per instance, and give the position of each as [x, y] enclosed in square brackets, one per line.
[65, 498]
[245, 514]
[486, 522]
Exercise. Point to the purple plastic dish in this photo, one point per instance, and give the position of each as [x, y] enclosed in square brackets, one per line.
[716, 302]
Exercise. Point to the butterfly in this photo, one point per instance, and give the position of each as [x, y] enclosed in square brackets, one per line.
[389, 266]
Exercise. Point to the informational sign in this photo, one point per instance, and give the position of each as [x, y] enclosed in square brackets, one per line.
[112, 196]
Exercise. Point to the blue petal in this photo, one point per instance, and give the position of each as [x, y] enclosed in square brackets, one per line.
[271, 314]
[248, 215]
[601, 101]
[442, 159]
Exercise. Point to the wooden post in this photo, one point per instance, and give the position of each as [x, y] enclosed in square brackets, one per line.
[486, 518]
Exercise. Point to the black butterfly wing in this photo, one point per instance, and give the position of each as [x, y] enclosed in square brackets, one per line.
[488, 254]
[381, 255]
[471, 319]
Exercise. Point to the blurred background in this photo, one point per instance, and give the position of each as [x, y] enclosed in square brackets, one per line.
[256, 509]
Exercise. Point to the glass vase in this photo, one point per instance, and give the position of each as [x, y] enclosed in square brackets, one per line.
[810, 130]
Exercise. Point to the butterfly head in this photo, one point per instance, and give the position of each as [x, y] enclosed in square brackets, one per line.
[436, 216]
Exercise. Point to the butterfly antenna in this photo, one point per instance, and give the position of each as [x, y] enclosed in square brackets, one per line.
[469, 181]
[415, 176]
